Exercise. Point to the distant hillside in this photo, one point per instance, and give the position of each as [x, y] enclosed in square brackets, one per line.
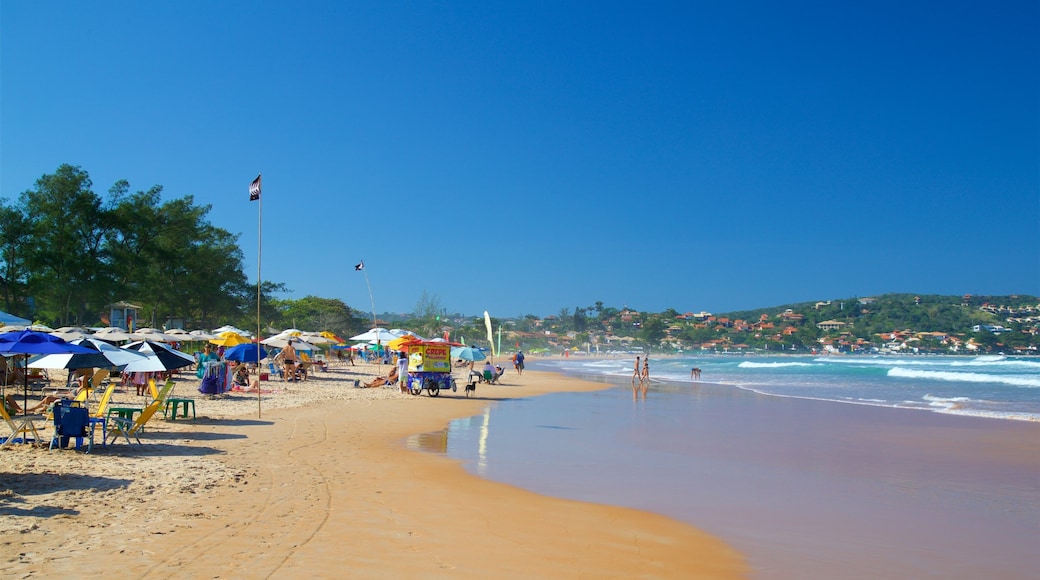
[888, 312]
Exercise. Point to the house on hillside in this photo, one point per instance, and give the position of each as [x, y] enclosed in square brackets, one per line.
[830, 325]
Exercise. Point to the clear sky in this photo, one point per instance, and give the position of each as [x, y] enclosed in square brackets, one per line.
[531, 156]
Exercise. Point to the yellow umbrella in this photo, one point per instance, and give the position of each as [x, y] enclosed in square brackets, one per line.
[404, 342]
[331, 336]
[229, 338]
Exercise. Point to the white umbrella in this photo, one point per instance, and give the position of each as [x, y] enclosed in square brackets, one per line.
[179, 335]
[70, 333]
[380, 334]
[33, 327]
[112, 333]
[281, 342]
[201, 335]
[153, 334]
[229, 328]
[314, 338]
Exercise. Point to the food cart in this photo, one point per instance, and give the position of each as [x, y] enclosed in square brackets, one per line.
[429, 367]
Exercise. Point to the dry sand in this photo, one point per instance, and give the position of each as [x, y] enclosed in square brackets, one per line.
[320, 485]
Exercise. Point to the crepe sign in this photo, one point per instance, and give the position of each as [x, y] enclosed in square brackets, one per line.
[429, 358]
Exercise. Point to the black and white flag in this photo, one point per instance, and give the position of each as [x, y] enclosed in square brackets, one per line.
[360, 266]
[254, 189]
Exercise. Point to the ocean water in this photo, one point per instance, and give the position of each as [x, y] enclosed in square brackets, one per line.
[985, 386]
[813, 466]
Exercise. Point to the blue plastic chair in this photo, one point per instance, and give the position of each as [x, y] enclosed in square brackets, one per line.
[71, 421]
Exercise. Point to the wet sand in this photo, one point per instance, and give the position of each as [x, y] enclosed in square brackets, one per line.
[321, 485]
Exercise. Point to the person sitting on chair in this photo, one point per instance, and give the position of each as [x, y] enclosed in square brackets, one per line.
[11, 404]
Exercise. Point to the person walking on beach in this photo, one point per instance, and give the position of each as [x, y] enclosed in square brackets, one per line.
[518, 362]
[635, 372]
[646, 370]
[695, 374]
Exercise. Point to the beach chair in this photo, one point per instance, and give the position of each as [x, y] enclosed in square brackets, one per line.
[71, 420]
[127, 428]
[19, 429]
[276, 370]
[98, 416]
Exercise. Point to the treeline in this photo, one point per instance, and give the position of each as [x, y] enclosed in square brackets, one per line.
[68, 253]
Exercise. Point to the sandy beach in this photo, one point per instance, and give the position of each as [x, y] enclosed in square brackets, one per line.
[321, 484]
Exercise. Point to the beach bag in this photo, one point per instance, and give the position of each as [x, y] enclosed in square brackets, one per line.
[210, 384]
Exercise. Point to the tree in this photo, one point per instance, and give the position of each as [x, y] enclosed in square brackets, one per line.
[14, 241]
[580, 322]
[67, 225]
[653, 331]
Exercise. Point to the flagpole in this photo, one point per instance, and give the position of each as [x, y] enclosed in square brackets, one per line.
[255, 194]
[259, 251]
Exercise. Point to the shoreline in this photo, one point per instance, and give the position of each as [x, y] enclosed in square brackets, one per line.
[322, 489]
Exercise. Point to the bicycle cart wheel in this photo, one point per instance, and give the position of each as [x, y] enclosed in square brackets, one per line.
[433, 388]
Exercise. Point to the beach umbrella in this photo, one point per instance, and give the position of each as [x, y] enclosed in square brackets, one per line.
[152, 334]
[112, 334]
[314, 338]
[468, 353]
[201, 335]
[158, 357]
[331, 336]
[70, 333]
[179, 335]
[245, 353]
[404, 342]
[229, 328]
[102, 355]
[229, 338]
[380, 334]
[281, 342]
[6, 318]
[27, 342]
[32, 327]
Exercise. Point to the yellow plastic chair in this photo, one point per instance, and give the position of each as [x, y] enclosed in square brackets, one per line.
[20, 429]
[103, 404]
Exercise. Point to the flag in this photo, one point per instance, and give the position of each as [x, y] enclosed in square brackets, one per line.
[360, 266]
[254, 189]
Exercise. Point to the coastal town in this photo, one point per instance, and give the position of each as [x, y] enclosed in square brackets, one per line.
[877, 325]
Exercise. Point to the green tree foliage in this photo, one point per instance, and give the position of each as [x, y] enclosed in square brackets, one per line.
[312, 312]
[67, 254]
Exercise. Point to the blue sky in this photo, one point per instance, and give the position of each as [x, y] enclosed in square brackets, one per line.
[532, 156]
